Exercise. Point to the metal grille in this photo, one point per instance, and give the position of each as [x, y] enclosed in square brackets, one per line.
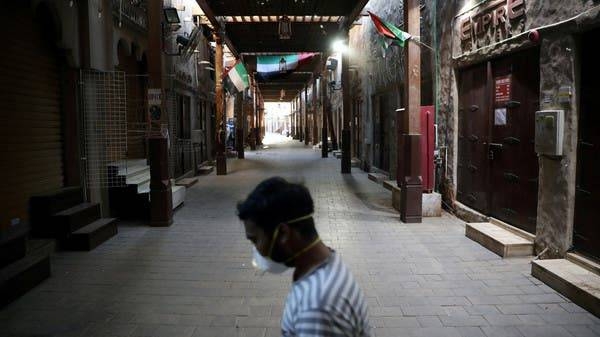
[105, 127]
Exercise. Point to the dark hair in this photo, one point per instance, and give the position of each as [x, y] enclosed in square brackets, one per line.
[276, 200]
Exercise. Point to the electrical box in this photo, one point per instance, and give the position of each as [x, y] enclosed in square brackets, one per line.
[331, 63]
[549, 132]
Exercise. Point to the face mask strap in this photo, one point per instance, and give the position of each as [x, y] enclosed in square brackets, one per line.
[276, 232]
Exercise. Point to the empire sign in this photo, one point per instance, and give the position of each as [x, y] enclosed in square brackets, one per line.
[492, 22]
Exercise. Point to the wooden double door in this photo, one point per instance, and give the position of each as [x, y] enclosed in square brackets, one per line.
[497, 164]
[587, 227]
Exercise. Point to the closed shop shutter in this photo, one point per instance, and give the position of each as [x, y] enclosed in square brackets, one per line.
[30, 113]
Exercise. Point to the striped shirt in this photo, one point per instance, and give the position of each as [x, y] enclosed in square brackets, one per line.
[327, 302]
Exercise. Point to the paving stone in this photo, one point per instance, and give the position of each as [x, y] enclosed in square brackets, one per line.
[195, 278]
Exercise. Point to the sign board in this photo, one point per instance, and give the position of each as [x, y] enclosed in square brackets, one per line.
[489, 22]
[154, 103]
[502, 91]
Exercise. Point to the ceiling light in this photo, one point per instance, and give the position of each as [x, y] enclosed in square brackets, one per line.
[285, 28]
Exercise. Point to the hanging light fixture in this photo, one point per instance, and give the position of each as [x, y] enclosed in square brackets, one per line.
[285, 28]
[282, 65]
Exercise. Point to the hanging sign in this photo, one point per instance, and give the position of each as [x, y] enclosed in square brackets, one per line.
[502, 93]
[154, 103]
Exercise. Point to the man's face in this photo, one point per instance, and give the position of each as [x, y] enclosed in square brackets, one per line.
[262, 241]
[258, 237]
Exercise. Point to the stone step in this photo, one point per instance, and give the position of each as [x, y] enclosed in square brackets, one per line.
[205, 169]
[389, 185]
[92, 235]
[178, 195]
[186, 182]
[575, 282]
[378, 177]
[499, 240]
[24, 274]
[42, 207]
[70, 220]
[134, 171]
[354, 162]
[139, 179]
[584, 262]
[13, 243]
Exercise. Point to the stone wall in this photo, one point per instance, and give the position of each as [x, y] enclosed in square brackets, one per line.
[556, 22]
[381, 72]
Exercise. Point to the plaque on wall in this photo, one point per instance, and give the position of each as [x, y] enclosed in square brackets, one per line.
[502, 92]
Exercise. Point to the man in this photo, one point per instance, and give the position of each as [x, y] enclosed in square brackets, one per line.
[325, 300]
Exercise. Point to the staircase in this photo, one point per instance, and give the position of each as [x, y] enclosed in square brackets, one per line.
[75, 224]
[23, 263]
[133, 200]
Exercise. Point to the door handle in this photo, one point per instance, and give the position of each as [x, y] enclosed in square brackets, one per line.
[496, 145]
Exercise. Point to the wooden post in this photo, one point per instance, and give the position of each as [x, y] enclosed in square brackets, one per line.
[346, 130]
[239, 124]
[161, 208]
[219, 100]
[315, 131]
[409, 146]
[324, 107]
[306, 131]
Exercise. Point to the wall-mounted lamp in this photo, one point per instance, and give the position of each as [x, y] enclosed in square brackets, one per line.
[285, 28]
[171, 16]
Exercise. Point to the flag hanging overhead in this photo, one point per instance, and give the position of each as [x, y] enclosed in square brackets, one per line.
[389, 30]
[273, 66]
[236, 79]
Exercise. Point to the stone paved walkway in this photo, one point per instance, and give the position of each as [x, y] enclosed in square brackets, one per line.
[194, 278]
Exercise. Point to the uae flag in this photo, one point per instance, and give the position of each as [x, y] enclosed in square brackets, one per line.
[236, 79]
[274, 66]
[390, 31]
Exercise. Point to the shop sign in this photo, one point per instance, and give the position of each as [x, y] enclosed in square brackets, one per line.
[502, 92]
[489, 23]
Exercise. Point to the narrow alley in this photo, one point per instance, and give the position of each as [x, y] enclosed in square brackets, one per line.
[195, 279]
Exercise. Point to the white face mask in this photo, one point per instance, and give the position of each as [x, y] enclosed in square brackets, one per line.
[265, 264]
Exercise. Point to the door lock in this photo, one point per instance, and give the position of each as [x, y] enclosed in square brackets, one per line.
[492, 147]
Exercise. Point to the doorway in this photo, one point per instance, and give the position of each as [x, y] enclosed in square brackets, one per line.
[586, 236]
[497, 164]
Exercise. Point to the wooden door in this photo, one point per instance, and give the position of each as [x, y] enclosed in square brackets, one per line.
[376, 132]
[497, 164]
[473, 133]
[511, 152]
[31, 118]
[586, 237]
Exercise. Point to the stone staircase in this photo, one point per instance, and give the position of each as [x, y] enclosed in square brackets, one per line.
[133, 200]
[24, 263]
[65, 217]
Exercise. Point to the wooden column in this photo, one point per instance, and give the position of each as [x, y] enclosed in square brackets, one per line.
[161, 207]
[220, 100]
[306, 130]
[315, 131]
[239, 124]
[324, 107]
[409, 146]
[346, 130]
